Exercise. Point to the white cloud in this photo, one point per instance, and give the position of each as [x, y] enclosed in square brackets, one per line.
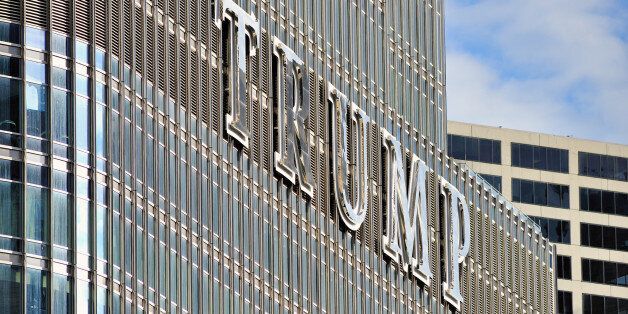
[557, 66]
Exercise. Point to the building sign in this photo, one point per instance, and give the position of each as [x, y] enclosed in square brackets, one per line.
[406, 239]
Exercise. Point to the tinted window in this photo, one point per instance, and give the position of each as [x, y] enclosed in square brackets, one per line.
[540, 193]
[609, 202]
[564, 302]
[563, 267]
[494, 181]
[603, 304]
[539, 157]
[554, 229]
[613, 238]
[474, 149]
[10, 103]
[603, 166]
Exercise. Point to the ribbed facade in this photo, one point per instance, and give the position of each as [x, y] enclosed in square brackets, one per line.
[125, 185]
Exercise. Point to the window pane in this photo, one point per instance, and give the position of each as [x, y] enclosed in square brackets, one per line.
[10, 66]
[37, 213]
[83, 298]
[594, 165]
[540, 193]
[36, 291]
[608, 202]
[82, 123]
[82, 226]
[595, 200]
[61, 294]
[10, 103]
[35, 38]
[61, 210]
[526, 156]
[472, 146]
[36, 108]
[10, 32]
[61, 120]
[486, 151]
[514, 154]
[553, 195]
[10, 288]
[10, 200]
[101, 232]
[61, 44]
[82, 52]
[35, 72]
[527, 192]
[82, 85]
[61, 78]
[101, 131]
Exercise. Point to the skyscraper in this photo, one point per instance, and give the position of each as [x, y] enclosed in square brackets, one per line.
[244, 156]
[576, 190]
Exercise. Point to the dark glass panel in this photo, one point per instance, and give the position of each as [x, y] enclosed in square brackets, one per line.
[596, 270]
[583, 167]
[514, 154]
[564, 161]
[486, 151]
[595, 236]
[497, 152]
[10, 170]
[37, 175]
[622, 239]
[610, 273]
[586, 270]
[36, 291]
[10, 104]
[610, 305]
[584, 234]
[594, 165]
[472, 146]
[516, 190]
[565, 232]
[553, 159]
[595, 200]
[584, 199]
[622, 274]
[540, 157]
[10, 33]
[540, 193]
[62, 214]
[553, 195]
[621, 204]
[527, 156]
[527, 192]
[10, 200]
[608, 202]
[564, 196]
[37, 213]
[610, 240]
[10, 284]
[10, 66]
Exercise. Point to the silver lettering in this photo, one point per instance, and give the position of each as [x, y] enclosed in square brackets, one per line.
[458, 238]
[408, 202]
[350, 176]
[243, 27]
[292, 154]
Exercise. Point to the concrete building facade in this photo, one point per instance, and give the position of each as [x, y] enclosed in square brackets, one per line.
[577, 190]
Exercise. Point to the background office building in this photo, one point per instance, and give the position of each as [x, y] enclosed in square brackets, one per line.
[577, 190]
[126, 184]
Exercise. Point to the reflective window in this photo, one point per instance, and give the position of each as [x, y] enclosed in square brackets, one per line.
[37, 213]
[540, 157]
[608, 202]
[35, 72]
[101, 232]
[36, 291]
[82, 85]
[11, 288]
[10, 170]
[100, 59]
[592, 304]
[603, 166]
[83, 298]
[82, 52]
[474, 149]
[10, 103]
[82, 123]
[10, 33]
[540, 193]
[61, 78]
[82, 226]
[37, 175]
[36, 108]
[563, 267]
[10, 200]
[61, 294]
[101, 131]
[494, 181]
[62, 215]
[61, 119]
[35, 38]
[564, 302]
[607, 237]
[61, 44]
[605, 272]
[555, 230]
[10, 66]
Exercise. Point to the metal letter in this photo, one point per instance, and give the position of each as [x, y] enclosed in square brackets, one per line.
[457, 245]
[246, 26]
[408, 201]
[344, 114]
[292, 154]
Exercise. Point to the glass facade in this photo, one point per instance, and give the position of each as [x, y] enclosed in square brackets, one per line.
[122, 189]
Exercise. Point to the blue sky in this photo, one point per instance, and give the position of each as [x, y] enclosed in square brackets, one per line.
[552, 66]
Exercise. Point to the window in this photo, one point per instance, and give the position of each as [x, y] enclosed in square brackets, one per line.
[612, 238]
[602, 304]
[605, 272]
[540, 193]
[61, 44]
[603, 166]
[10, 103]
[563, 267]
[82, 123]
[10, 200]
[61, 120]
[608, 202]
[554, 229]
[82, 52]
[539, 157]
[61, 294]
[564, 302]
[61, 210]
[10, 66]
[10, 33]
[10, 285]
[36, 108]
[36, 291]
[36, 213]
[493, 180]
[474, 149]
[35, 38]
